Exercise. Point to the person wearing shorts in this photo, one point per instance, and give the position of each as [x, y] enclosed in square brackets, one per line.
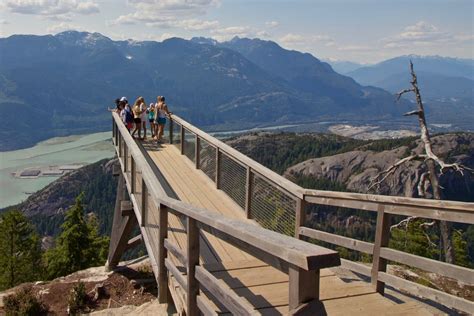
[151, 119]
[137, 114]
[161, 111]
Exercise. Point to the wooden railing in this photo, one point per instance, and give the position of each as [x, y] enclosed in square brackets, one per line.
[289, 201]
[151, 205]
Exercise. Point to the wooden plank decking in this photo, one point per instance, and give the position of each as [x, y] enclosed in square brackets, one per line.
[263, 286]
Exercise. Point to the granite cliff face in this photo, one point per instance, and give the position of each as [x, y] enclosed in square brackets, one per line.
[355, 168]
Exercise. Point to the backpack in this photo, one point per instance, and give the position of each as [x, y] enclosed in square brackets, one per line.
[128, 117]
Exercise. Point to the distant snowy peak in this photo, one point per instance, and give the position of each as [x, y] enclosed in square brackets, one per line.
[85, 39]
[204, 40]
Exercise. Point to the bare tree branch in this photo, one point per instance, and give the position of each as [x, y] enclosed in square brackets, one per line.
[404, 223]
[399, 94]
[381, 176]
[416, 112]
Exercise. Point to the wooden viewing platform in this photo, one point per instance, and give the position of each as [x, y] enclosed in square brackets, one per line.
[229, 246]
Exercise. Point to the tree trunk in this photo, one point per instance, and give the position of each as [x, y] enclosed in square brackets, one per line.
[444, 227]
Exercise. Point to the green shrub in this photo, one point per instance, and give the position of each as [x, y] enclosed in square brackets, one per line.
[24, 302]
[77, 299]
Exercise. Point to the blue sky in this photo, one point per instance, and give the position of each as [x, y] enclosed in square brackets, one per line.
[365, 31]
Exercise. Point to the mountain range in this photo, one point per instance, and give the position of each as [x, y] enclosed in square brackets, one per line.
[62, 84]
[56, 85]
[442, 80]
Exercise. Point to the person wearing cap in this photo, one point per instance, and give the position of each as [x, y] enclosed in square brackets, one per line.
[126, 114]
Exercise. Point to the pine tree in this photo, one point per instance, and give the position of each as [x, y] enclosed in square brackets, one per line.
[460, 249]
[414, 239]
[20, 250]
[79, 245]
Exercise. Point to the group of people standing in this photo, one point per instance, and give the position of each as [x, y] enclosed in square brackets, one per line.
[139, 113]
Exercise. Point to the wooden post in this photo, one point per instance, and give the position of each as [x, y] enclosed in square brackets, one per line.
[218, 167]
[122, 227]
[114, 131]
[193, 261]
[182, 140]
[132, 173]
[125, 158]
[248, 192]
[144, 203]
[300, 216]
[120, 145]
[303, 287]
[171, 130]
[382, 234]
[197, 151]
[162, 253]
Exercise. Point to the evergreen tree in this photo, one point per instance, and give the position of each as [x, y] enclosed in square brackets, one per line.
[99, 244]
[414, 239]
[460, 249]
[78, 246]
[20, 250]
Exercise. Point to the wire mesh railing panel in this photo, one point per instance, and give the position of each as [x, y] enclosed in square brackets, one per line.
[207, 159]
[232, 179]
[272, 208]
[189, 145]
[176, 134]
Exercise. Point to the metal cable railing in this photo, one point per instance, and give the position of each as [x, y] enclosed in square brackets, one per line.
[232, 179]
[272, 208]
[176, 133]
[207, 159]
[189, 145]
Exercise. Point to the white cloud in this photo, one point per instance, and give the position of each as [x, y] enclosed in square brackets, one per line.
[51, 8]
[420, 34]
[63, 26]
[291, 39]
[4, 22]
[355, 48]
[190, 24]
[272, 24]
[169, 13]
[226, 33]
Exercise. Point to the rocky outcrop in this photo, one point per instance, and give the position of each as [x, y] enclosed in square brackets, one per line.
[354, 169]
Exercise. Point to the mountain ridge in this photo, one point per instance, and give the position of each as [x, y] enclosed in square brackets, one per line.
[62, 84]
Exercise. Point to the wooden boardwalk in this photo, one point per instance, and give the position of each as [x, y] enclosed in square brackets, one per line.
[225, 235]
[263, 286]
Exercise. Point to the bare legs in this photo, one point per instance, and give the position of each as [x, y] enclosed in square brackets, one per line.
[137, 128]
[161, 128]
[152, 128]
[144, 129]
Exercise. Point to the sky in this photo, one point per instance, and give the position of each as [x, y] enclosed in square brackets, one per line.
[364, 31]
